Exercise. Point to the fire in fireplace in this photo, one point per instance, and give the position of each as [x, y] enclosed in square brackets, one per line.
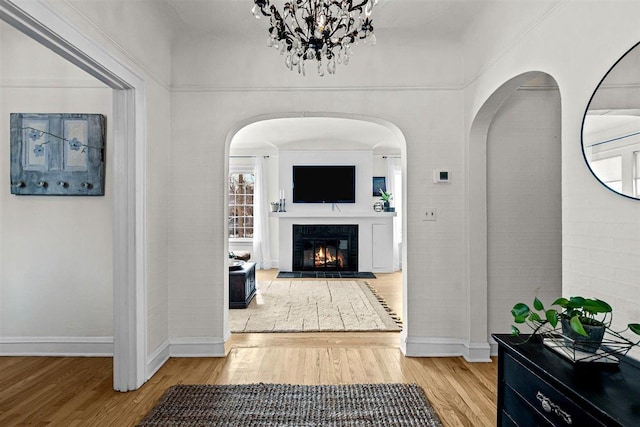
[325, 247]
[326, 254]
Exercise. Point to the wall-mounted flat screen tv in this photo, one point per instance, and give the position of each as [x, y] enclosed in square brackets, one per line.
[324, 184]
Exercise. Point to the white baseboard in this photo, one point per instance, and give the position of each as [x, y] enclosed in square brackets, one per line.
[494, 348]
[477, 352]
[445, 347]
[57, 346]
[197, 347]
[158, 358]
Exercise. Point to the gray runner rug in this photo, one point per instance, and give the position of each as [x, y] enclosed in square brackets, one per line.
[261, 405]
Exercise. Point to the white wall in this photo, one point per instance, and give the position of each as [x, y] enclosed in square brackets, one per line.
[216, 85]
[273, 168]
[126, 31]
[524, 214]
[139, 35]
[601, 231]
[432, 127]
[56, 252]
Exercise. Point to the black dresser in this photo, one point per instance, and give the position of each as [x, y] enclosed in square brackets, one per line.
[537, 387]
[242, 285]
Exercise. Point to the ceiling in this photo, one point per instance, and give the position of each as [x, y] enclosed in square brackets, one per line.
[439, 19]
[427, 18]
[402, 19]
[310, 133]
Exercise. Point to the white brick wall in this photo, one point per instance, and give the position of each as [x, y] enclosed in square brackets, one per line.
[523, 204]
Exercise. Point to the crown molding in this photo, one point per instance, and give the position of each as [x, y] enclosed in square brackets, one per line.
[211, 88]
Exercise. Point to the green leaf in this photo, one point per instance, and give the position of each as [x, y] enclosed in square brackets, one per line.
[562, 302]
[515, 331]
[576, 325]
[552, 317]
[520, 319]
[534, 317]
[576, 302]
[537, 304]
[520, 310]
[635, 328]
[596, 306]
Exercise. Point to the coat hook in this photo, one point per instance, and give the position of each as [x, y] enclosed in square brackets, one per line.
[18, 184]
[63, 184]
[42, 184]
[87, 185]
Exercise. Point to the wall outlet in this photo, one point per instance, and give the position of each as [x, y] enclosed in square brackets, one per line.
[429, 214]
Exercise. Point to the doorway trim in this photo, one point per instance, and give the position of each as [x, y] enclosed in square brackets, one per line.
[39, 21]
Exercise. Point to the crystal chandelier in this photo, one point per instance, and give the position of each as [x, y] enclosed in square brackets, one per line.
[320, 30]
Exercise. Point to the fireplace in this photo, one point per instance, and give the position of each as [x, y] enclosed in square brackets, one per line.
[325, 247]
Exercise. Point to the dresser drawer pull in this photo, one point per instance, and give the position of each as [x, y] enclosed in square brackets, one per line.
[549, 406]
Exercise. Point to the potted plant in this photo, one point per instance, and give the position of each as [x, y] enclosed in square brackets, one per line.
[583, 321]
[385, 196]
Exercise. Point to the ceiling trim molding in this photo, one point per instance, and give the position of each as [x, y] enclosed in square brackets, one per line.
[207, 88]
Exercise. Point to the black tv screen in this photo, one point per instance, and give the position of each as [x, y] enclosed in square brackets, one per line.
[324, 184]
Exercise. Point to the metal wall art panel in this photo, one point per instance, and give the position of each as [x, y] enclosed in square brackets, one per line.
[57, 154]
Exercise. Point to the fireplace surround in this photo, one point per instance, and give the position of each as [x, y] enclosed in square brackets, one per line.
[325, 247]
[375, 236]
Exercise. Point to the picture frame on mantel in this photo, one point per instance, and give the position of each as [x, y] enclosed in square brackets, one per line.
[379, 182]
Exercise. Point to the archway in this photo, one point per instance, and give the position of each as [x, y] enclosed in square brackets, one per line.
[478, 229]
[389, 129]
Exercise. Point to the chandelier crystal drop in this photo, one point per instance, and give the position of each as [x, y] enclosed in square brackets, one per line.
[317, 30]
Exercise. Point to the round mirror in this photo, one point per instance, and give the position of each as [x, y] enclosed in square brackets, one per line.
[611, 127]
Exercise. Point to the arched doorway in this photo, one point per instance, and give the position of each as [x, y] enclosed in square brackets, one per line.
[525, 110]
[329, 132]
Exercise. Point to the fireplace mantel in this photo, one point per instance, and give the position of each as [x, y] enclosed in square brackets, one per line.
[334, 214]
[375, 237]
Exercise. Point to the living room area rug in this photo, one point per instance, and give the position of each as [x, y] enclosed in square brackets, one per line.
[314, 306]
[262, 405]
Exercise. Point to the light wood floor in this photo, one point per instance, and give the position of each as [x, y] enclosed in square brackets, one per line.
[69, 391]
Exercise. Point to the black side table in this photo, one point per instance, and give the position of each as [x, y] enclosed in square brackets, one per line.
[242, 285]
[537, 387]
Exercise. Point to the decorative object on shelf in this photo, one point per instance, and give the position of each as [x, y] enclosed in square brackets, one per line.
[320, 30]
[282, 202]
[57, 154]
[378, 206]
[580, 330]
[385, 196]
[275, 206]
[379, 184]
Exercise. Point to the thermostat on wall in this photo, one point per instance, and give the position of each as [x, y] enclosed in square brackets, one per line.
[440, 176]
